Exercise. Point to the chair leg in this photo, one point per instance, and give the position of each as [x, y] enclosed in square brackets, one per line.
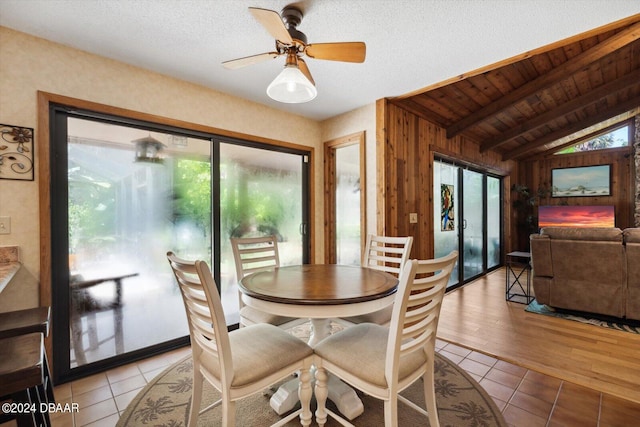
[321, 392]
[196, 396]
[228, 412]
[76, 340]
[304, 394]
[36, 397]
[47, 379]
[391, 412]
[430, 395]
[92, 331]
[25, 419]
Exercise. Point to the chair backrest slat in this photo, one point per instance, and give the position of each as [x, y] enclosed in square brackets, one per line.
[414, 321]
[205, 316]
[388, 254]
[253, 254]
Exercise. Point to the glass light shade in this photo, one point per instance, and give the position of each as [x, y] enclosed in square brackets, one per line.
[291, 87]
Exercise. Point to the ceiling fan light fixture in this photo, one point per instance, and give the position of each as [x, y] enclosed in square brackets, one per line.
[291, 86]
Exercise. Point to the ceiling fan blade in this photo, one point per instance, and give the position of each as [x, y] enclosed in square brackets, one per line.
[272, 21]
[346, 52]
[249, 60]
[305, 70]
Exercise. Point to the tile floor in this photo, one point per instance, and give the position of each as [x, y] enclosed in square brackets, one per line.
[526, 398]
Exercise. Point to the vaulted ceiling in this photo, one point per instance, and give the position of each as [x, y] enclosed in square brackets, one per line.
[528, 106]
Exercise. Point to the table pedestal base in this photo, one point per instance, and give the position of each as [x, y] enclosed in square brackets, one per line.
[344, 397]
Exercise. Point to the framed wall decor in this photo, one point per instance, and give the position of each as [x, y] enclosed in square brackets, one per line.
[447, 217]
[16, 152]
[585, 181]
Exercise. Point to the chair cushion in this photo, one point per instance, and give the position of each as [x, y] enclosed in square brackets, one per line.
[259, 351]
[380, 317]
[257, 316]
[361, 350]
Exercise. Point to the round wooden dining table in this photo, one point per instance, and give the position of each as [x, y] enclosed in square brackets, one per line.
[319, 292]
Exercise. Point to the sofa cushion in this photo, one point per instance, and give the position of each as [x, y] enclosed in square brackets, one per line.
[631, 235]
[588, 234]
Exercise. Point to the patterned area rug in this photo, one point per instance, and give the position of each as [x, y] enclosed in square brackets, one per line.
[165, 402]
[592, 319]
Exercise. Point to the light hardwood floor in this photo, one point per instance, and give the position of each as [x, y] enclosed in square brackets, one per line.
[478, 317]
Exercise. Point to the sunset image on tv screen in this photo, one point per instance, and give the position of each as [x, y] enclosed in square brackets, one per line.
[576, 216]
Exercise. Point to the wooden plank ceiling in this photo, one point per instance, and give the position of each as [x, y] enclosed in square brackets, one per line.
[524, 107]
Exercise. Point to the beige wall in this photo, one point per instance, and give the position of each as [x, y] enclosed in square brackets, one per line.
[32, 64]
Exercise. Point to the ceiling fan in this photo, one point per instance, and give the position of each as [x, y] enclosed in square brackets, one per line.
[295, 84]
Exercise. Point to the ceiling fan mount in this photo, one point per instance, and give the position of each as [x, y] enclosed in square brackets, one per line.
[292, 17]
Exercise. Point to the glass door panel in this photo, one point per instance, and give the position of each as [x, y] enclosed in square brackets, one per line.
[473, 222]
[348, 207]
[468, 216]
[494, 235]
[261, 193]
[446, 227]
[126, 209]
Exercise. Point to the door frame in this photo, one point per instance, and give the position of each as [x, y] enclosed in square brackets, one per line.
[460, 201]
[330, 186]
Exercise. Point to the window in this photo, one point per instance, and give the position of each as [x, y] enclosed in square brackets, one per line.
[612, 138]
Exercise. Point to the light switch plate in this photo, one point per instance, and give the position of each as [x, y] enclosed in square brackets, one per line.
[413, 218]
[5, 225]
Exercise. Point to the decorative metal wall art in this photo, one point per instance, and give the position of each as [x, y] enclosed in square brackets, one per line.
[16, 152]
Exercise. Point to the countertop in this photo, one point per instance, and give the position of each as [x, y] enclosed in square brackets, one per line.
[9, 264]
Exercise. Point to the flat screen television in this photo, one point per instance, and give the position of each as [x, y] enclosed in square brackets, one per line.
[576, 216]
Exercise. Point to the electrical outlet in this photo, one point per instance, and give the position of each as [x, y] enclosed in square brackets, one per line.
[5, 225]
[413, 218]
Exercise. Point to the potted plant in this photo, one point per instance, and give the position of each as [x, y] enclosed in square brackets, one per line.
[524, 204]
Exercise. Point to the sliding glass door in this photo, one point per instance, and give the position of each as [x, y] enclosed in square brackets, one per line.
[467, 218]
[261, 193]
[473, 217]
[494, 222]
[125, 210]
[123, 194]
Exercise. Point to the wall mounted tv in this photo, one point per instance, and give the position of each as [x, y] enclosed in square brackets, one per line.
[576, 216]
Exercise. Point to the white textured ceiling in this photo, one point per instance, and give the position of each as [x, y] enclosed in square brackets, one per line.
[411, 44]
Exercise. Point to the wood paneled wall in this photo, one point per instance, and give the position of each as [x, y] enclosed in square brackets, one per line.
[537, 174]
[406, 147]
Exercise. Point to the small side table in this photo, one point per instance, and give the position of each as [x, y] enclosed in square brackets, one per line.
[518, 270]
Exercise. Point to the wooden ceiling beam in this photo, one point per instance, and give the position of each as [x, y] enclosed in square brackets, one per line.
[595, 95]
[415, 108]
[573, 128]
[557, 74]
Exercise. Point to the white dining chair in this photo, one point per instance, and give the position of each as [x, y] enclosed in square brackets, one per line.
[386, 254]
[251, 255]
[238, 363]
[383, 361]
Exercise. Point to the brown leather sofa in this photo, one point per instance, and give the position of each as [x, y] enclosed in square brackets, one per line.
[594, 270]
